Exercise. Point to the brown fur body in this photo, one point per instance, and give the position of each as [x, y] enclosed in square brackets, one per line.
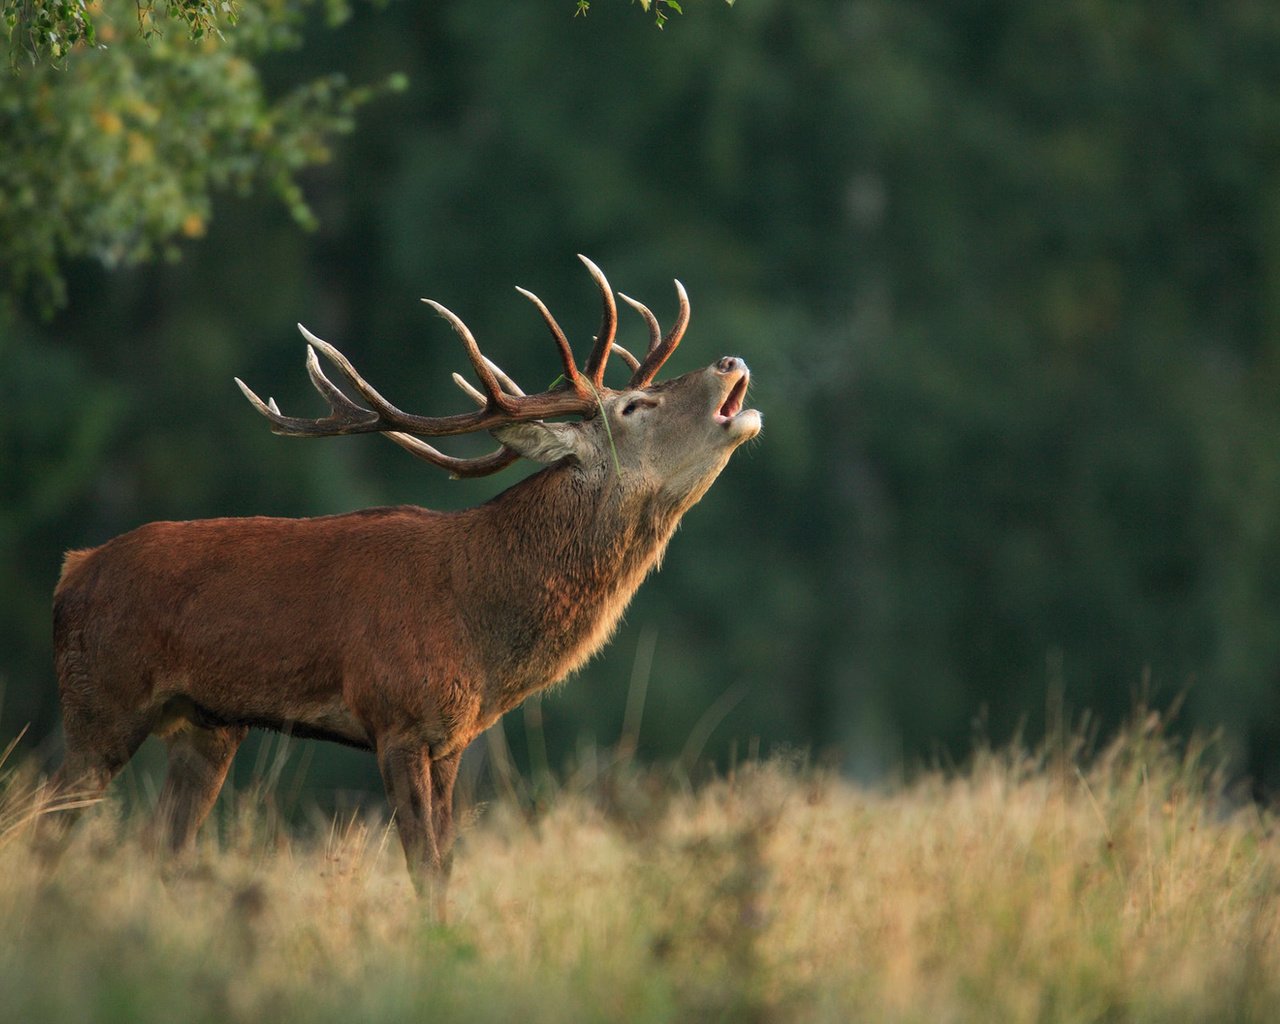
[348, 625]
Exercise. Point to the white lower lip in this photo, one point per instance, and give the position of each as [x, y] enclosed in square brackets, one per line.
[747, 422]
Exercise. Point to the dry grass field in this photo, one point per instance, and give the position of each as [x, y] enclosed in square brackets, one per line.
[1117, 885]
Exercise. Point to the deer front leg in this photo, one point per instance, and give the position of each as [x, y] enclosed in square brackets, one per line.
[406, 774]
[198, 763]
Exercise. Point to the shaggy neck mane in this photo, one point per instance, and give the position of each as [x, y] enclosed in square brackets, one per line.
[571, 550]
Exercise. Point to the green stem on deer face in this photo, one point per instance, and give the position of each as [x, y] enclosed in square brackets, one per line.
[608, 432]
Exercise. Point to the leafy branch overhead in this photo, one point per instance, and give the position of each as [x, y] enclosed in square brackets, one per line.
[122, 117]
[115, 155]
[660, 9]
[48, 30]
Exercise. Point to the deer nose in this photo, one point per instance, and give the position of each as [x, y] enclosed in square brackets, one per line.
[730, 364]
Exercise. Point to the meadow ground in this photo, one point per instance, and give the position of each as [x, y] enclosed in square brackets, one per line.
[1063, 885]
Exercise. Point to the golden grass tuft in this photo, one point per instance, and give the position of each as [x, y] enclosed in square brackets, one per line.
[1050, 886]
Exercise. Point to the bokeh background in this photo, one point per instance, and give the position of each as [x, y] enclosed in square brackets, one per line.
[1007, 275]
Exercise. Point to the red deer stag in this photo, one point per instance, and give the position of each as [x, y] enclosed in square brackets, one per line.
[400, 630]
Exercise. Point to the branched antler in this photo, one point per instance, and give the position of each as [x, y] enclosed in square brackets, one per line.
[499, 400]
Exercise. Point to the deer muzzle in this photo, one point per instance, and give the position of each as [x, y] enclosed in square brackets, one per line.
[730, 412]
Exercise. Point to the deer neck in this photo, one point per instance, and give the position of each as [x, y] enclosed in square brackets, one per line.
[570, 550]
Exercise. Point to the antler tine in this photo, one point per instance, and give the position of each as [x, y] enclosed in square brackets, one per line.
[660, 351]
[482, 465]
[571, 373]
[470, 391]
[336, 399]
[510, 386]
[345, 418]
[655, 329]
[366, 389]
[632, 362]
[499, 399]
[608, 326]
[476, 396]
[271, 411]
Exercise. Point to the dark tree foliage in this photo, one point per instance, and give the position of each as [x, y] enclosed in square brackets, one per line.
[1006, 275]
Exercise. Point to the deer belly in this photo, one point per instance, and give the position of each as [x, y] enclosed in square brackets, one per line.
[316, 719]
[331, 721]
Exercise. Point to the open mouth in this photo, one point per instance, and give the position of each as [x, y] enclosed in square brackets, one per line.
[732, 405]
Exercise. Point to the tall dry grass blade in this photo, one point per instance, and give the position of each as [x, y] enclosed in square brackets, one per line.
[707, 724]
[637, 690]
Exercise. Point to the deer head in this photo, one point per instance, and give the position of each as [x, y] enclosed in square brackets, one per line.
[671, 437]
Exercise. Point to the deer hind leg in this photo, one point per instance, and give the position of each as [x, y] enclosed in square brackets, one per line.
[199, 758]
[406, 774]
[99, 742]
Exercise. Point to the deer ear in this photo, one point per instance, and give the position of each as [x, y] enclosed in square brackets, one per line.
[541, 442]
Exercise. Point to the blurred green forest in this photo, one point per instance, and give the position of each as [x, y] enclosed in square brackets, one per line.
[1007, 275]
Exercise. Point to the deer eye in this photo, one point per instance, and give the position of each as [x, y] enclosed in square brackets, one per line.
[638, 403]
